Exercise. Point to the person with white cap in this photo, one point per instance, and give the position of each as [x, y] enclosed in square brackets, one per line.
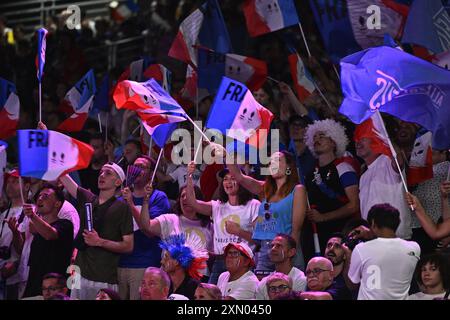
[239, 282]
[111, 235]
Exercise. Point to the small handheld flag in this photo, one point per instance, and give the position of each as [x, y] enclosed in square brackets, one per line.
[46, 154]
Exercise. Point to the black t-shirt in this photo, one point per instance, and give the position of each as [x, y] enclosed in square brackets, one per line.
[49, 255]
[112, 220]
[339, 290]
[187, 288]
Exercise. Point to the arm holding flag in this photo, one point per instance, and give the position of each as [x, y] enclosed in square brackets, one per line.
[150, 227]
[435, 231]
[298, 107]
[201, 207]
[69, 184]
[350, 208]
[38, 224]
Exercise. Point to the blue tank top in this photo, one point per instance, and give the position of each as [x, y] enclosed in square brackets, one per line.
[274, 218]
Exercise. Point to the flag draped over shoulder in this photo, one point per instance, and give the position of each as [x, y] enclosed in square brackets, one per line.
[395, 82]
[428, 25]
[237, 114]
[9, 109]
[264, 16]
[212, 66]
[152, 104]
[46, 154]
[79, 100]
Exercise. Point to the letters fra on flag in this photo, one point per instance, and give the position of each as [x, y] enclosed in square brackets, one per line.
[46, 154]
[237, 114]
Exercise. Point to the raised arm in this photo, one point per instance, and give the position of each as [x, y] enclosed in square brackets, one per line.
[296, 105]
[435, 231]
[70, 185]
[150, 227]
[202, 207]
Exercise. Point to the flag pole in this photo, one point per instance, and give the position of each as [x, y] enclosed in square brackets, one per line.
[323, 96]
[394, 153]
[304, 39]
[150, 145]
[99, 122]
[198, 149]
[40, 101]
[337, 73]
[21, 190]
[156, 166]
[106, 128]
[315, 233]
[272, 79]
[196, 127]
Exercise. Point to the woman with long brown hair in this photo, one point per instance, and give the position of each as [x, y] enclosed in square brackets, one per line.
[283, 207]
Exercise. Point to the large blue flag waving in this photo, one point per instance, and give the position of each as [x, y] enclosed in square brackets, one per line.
[400, 84]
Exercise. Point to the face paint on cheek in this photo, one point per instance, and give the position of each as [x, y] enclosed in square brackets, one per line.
[238, 263]
[282, 255]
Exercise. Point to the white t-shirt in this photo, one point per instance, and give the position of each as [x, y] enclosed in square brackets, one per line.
[298, 283]
[424, 296]
[381, 184]
[180, 175]
[172, 224]
[69, 212]
[384, 268]
[22, 272]
[243, 288]
[7, 235]
[242, 215]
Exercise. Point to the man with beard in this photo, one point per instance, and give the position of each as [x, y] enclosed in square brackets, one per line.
[282, 253]
[146, 252]
[336, 254]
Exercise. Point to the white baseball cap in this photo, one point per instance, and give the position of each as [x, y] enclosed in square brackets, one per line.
[117, 169]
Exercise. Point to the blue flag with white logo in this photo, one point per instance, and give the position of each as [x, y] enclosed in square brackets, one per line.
[400, 84]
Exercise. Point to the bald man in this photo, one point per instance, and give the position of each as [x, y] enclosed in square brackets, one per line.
[320, 282]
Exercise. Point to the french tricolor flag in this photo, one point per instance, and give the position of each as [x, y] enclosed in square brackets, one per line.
[40, 57]
[442, 59]
[421, 162]
[152, 104]
[372, 129]
[9, 109]
[237, 114]
[46, 154]
[212, 66]
[264, 16]
[303, 82]
[79, 100]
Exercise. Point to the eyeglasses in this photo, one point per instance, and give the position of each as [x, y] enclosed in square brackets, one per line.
[315, 271]
[267, 213]
[280, 288]
[51, 289]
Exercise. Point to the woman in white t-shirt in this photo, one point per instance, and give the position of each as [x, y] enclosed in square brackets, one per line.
[185, 220]
[433, 277]
[233, 215]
